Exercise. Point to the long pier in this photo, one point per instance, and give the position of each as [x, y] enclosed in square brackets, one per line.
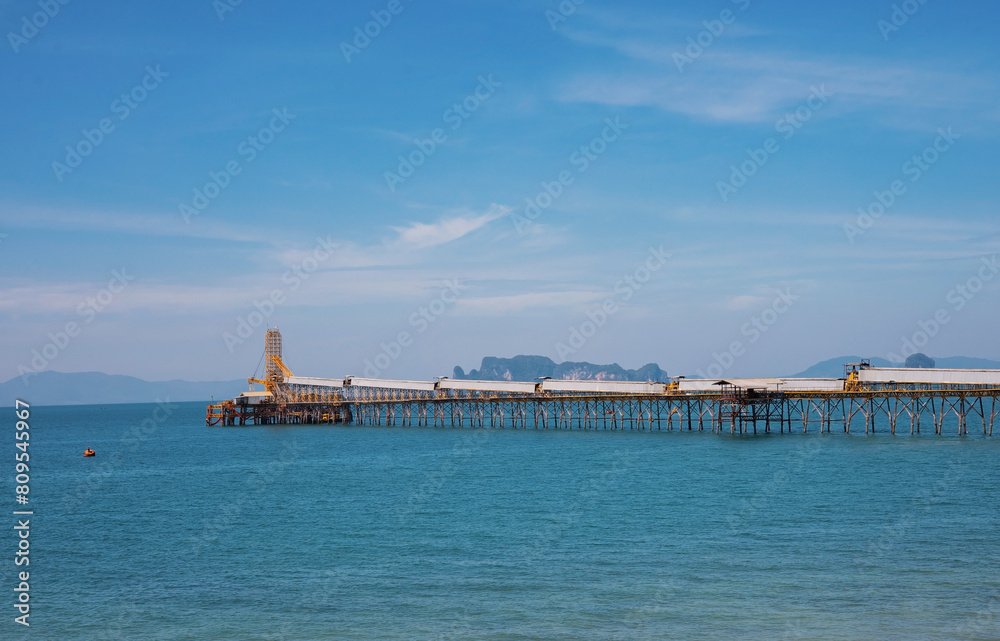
[902, 398]
[735, 410]
[905, 399]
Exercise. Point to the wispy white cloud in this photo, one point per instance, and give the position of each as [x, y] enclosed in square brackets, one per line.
[274, 248]
[231, 295]
[732, 87]
[419, 235]
[733, 81]
[138, 223]
[651, 48]
[343, 255]
[504, 305]
[658, 25]
[745, 301]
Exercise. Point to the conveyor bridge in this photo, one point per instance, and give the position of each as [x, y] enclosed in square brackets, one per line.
[899, 398]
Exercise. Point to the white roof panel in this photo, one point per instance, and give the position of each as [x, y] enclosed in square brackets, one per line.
[315, 382]
[770, 384]
[812, 385]
[603, 387]
[698, 385]
[930, 376]
[254, 397]
[378, 383]
[523, 387]
[756, 383]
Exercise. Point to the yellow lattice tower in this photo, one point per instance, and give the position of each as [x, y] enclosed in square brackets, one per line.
[272, 356]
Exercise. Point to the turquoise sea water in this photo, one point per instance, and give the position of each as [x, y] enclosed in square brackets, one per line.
[179, 531]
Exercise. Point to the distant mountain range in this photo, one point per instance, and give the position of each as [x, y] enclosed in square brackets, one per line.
[834, 368]
[530, 368]
[96, 388]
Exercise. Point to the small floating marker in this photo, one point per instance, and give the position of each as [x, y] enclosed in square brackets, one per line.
[89, 452]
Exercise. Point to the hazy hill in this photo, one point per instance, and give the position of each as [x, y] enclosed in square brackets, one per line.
[58, 388]
[834, 368]
[966, 362]
[530, 368]
[85, 388]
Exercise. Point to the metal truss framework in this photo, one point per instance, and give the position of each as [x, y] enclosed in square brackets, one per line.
[735, 411]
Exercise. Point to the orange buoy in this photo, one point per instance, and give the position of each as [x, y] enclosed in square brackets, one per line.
[89, 452]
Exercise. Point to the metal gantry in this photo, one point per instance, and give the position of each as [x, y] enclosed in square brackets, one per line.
[933, 396]
[733, 411]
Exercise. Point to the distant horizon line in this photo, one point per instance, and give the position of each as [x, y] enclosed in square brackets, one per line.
[241, 379]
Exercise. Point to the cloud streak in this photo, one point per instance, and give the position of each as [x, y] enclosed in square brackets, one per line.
[507, 305]
[418, 235]
[735, 82]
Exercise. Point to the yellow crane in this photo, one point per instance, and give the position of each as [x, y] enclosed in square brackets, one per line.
[275, 371]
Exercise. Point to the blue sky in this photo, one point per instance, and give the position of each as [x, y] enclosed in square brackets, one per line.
[715, 220]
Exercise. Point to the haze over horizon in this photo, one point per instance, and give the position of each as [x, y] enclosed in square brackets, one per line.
[615, 183]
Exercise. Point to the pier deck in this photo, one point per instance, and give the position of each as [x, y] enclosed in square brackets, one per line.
[904, 398]
[740, 411]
